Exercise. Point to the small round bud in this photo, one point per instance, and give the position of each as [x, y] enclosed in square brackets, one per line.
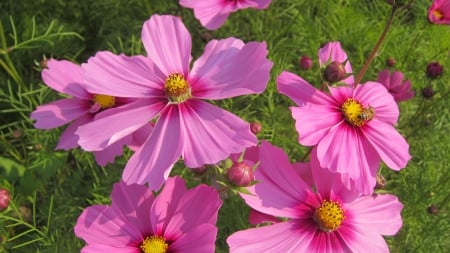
[37, 146]
[206, 36]
[434, 69]
[4, 199]
[17, 133]
[390, 62]
[240, 174]
[381, 182]
[255, 127]
[428, 92]
[306, 62]
[432, 209]
[334, 72]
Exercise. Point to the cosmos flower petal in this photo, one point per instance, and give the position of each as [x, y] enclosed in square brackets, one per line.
[389, 144]
[68, 138]
[230, 68]
[256, 218]
[59, 112]
[279, 187]
[299, 90]
[358, 239]
[108, 154]
[379, 212]
[103, 225]
[201, 239]
[209, 13]
[123, 76]
[375, 95]
[168, 44]
[211, 133]
[65, 77]
[153, 162]
[95, 248]
[289, 236]
[131, 116]
[439, 12]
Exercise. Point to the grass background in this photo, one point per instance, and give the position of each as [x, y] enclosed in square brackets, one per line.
[50, 188]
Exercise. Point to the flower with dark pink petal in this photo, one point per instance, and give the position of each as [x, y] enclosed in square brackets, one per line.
[399, 89]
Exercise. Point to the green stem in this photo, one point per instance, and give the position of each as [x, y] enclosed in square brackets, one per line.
[375, 49]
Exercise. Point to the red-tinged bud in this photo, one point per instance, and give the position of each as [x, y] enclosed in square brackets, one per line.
[390, 62]
[306, 62]
[200, 170]
[434, 69]
[381, 182]
[4, 199]
[255, 127]
[206, 36]
[428, 92]
[334, 72]
[17, 133]
[433, 209]
[240, 174]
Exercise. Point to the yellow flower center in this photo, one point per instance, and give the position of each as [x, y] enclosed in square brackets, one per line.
[438, 14]
[177, 88]
[355, 113]
[104, 101]
[329, 216]
[154, 244]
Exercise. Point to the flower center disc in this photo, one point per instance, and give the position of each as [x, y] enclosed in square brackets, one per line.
[154, 244]
[355, 113]
[102, 102]
[329, 216]
[177, 88]
[438, 14]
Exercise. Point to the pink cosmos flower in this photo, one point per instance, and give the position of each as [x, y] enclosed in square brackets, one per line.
[171, 96]
[400, 90]
[213, 13]
[324, 218]
[82, 107]
[352, 128]
[332, 52]
[177, 220]
[439, 12]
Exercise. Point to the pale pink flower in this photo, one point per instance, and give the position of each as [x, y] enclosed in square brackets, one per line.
[324, 218]
[177, 220]
[79, 109]
[172, 96]
[439, 12]
[212, 14]
[353, 128]
[332, 52]
[399, 89]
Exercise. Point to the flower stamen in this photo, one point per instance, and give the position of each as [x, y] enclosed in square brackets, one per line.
[101, 102]
[355, 114]
[177, 88]
[154, 244]
[438, 14]
[329, 216]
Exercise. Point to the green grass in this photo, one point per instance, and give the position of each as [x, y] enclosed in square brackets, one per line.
[50, 188]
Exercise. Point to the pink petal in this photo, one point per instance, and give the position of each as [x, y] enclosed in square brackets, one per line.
[361, 239]
[257, 4]
[95, 248]
[211, 14]
[139, 136]
[65, 77]
[256, 217]
[279, 189]
[289, 236]
[299, 90]
[123, 76]
[304, 171]
[377, 96]
[59, 112]
[107, 155]
[134, 202]
[200, 239]
[153, 162]
[168, 43]
[388, 143]
[332, 51]
[384, 78]
[121, 122]
[380, 213]
[230, 68]
[345, 150]
[211, 134]
[68, 138]
[314, 122]
[104, 225]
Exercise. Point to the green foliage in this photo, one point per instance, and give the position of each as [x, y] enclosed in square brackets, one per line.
[50, 188]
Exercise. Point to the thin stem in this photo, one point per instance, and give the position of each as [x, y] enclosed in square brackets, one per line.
[372, 54]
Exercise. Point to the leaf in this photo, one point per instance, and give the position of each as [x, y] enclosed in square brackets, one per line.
[10, 169]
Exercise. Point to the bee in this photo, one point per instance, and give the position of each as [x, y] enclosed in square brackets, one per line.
[366, 114]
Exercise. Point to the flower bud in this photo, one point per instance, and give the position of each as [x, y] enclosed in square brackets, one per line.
[206, 36]
[4, 199]
[432, 209]
[334, 72]
[306, 62]
[381, 182]
[17, 133]
[428, 92]
[240, 174]
[200, 170]
[390, 62]
[255, 127]
[434, 69]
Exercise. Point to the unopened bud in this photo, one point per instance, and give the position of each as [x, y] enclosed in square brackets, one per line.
[240, 174]
[381, 182]
[17, 133]
[255, 127]
[434, 69]
[334, 72]
[4, 199]
[428, 92]
[306, 62]
[390, 62]
[200, 170]
[433, 209]
[206, 36]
